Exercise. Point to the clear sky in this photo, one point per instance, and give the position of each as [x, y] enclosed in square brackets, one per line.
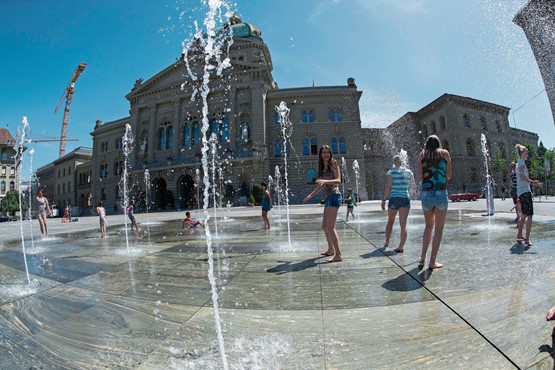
[403, 54]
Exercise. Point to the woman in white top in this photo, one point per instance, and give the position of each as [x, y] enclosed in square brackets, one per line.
[43, 211]
[524, 193]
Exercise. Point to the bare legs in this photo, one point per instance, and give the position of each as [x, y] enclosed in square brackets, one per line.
[103, 228]
[266, 220]
[434, 219]
[524, 219]
[43, 226]
[328, 225]
[403, 216]
[391, 214]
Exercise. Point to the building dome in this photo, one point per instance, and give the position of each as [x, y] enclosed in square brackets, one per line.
[239, 29]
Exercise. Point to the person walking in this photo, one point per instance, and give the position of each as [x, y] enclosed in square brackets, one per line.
[101, 211]
[434, 169]
[328, 181]
[266, 205]
[399, 181]
[43, 211]
[524, 193]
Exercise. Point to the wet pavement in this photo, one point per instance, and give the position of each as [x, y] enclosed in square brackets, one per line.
[98, 303]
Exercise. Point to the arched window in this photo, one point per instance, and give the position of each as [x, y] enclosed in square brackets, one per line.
[161, 138]
[424, 131]
[4, 157]
[245, 132]
[441, 123]
[69, 186]
[502, 150]
[466, 121]
[117, 192]
[3, 186]
[214, 128]
[483, 124]
[64, 188]
[470, 147]
[313, 146]
[196, 132]
[12, 171]
[333, 144]
[186, 135]
[307, 116]
[277, 148]
[306, 146]
[12, 185]
[4, 171]
[225, 130]
[169, 137]
[103, 194]
[311, 176]
[433, 127]
[342, 147]
[335, 115]
[473, 174]
[498, 124]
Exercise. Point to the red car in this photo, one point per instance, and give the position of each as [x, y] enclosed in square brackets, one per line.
[457, 197]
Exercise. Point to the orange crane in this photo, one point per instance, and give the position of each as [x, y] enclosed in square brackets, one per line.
[68, 95]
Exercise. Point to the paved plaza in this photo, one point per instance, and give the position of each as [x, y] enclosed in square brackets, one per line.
[98, 303]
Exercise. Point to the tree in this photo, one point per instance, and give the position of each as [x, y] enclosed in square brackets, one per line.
[10, 203]
[497, 162]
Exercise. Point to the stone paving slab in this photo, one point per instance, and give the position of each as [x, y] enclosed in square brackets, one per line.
[101, 304]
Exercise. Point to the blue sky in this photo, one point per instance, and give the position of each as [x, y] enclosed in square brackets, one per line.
[403, 54]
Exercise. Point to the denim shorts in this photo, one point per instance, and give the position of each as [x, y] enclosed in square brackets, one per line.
[334, 200]
[435, 199]
[395, 203]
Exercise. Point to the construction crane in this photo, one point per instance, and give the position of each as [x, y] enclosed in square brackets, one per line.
[68, 95]
[42, 138]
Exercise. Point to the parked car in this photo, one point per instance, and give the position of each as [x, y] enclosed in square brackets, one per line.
[457, 197]
[4, 218]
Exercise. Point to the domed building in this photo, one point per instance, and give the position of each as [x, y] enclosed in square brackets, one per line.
[247, 140]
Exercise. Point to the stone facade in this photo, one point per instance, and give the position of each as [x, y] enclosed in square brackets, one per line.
[59, 180]
[460, 123]
[166, 120]
[8, 171]
[537, 19]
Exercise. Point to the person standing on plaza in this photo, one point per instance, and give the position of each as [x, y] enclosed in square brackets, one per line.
[351, 203]
[328, 181]
[513, 192]
[434, 169]
[399, 180]
[490, 191]
[130, 209]
[524, 193]
[43, 211]
[266, 205]
[101, 211]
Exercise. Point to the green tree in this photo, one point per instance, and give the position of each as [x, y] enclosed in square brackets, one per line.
[257, 193]
[10, 203]
[497, 162]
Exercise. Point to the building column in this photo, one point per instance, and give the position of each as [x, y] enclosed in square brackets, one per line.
[151, 132]
[176, 123]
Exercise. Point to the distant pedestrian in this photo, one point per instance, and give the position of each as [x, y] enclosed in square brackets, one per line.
[101, 211]
[399, 187]
[503, 194]
[43, 211]
[434, 168]
[490, 191]
[266, 205]
[130, 209]
[351, 203]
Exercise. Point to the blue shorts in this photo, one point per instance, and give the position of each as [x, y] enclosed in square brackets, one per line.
[334, 200]
[435, 199]
[395, 203]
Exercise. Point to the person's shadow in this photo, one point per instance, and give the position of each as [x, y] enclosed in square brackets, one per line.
[410, 280]
[379, 252]
[287, 266]
[549, 349]
[520, 248]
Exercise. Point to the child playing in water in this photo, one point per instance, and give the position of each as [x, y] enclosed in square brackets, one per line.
[266, 205]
